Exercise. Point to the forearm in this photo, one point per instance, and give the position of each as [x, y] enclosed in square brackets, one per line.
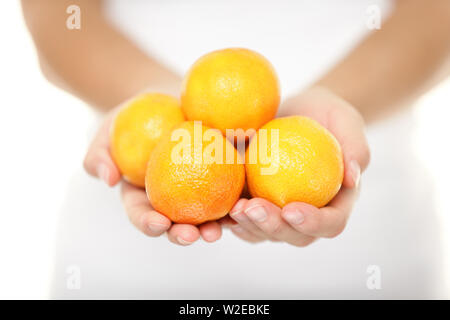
[396, 64]
[96, 63]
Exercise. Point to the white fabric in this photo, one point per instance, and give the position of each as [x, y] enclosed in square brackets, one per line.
[388, 229]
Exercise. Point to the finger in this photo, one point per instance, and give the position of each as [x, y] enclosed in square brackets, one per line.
[267, 217]
[238, 206]
[238, 215]
[183, 234]
[98, 161]
[210, 231]
[349, 129]
[245, 235]
[226, 221]
[327, 222]
[140, 212]
[352, 173]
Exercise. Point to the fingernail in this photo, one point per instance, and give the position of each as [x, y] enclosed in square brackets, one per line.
[232, 214]
[257, 213]
[156, 227]
[183, 242]
[294, 217]
[103, 173]
[210, 236]
[356, 172]
[238, 215]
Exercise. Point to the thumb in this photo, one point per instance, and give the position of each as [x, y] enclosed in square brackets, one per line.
[349, 129]
[98, 161]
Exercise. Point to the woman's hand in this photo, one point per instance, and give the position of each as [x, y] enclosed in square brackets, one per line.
[300, 223]
[98, 163]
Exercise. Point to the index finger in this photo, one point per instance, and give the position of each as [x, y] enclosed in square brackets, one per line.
[326, 222]
[141, 213]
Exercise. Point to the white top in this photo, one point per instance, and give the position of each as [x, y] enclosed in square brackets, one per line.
[302, 39]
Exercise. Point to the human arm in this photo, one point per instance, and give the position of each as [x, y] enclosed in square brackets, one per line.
[96, 63]
[396, 64]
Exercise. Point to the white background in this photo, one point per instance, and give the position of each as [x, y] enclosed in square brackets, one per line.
[43, 136]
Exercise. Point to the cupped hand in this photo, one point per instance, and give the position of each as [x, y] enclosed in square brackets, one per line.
[299, 223]
[98, 163]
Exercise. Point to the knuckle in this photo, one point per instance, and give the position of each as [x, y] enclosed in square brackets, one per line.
[136, 217]
[260, 234]
[248, 237]
[336, 231]
[303, 242]
[86, 163]
[131, 218]
[256, 240]
[314, 227]
[365, 155]
[275, 228]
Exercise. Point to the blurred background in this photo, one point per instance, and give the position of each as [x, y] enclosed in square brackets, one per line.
[44, 133]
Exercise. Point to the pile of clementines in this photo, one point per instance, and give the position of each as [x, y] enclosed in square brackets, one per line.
[179, 150]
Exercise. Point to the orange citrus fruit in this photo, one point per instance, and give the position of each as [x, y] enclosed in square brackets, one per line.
[137, 128]
[231, 89]
[299, 161]
[191, 180]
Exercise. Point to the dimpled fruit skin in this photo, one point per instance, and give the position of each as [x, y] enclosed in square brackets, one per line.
[310, 166]
[136, 130]
[231, 89]
[196, 192]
